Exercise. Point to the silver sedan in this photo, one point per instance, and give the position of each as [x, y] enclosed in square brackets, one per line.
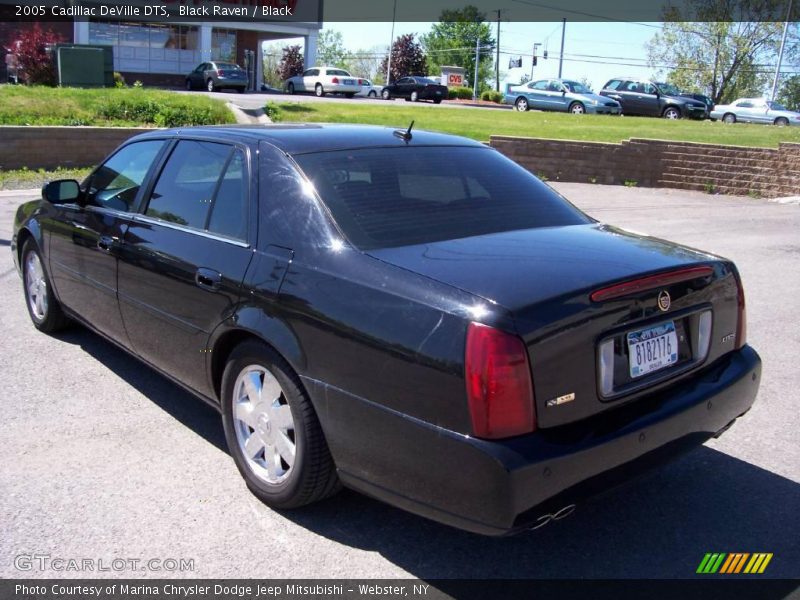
[755, 110]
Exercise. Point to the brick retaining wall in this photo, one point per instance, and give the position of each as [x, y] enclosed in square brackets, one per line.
[714, 168]
[51, 147]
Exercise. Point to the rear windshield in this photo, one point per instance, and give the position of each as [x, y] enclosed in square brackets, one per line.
[387, 197]
[229, 66]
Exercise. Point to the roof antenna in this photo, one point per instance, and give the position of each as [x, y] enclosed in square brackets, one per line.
[404, 135]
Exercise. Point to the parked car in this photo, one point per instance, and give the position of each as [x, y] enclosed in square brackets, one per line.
[214, 76]
[755, 110]
[367, 89]
[408, 314]
[324, 80]
[645, 98]
[415, 88]
[559, 94]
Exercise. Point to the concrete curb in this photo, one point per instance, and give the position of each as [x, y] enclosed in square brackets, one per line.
[248, 116]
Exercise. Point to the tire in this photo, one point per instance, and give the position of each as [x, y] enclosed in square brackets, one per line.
[349, 95]
[43, 307]
[297, 469]
[729, 118]
[386, 95]
[521, 104]
[319, 90]
[781, 121]
[671, 113]
[240, 90]
[210, 85]
[414, 96]
[189, 86]
[576, 108]
[437, 101]
[372, 94]
[290, 89]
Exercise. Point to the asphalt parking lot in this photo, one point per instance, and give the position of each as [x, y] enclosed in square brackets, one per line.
[105, 459]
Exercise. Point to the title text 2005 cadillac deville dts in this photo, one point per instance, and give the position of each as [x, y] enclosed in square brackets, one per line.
[408, 314]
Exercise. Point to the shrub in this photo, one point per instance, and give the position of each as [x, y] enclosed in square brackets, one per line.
[153, 110]
[492, 96]
[462, 93]
[34, 58]
[119, 80]
[273, 111]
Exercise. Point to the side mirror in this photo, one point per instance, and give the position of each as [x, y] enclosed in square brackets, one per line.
[61, 191]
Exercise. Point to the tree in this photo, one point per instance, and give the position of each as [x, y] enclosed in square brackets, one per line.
[367, 63]
[291, 62]
[725, 48]
[271, 60]
[33, 56]
[452, 41]
[330, 49]
[407, 58]
[789, 93]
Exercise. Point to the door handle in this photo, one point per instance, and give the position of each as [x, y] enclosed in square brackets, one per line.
[105, 243]
[208, 278]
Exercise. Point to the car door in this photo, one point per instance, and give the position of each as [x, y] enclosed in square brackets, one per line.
[558, 97]
[185, 255]
[649, 100]
[85, 239]
[537, 94]
[310, 79]
[403, 87]
[744, 111]
[761, 112]
[197, 76]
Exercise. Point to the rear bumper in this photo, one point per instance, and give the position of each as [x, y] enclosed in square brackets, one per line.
[496, 488]
[231, 83]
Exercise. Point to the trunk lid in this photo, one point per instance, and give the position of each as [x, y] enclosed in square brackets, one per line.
[545, 277]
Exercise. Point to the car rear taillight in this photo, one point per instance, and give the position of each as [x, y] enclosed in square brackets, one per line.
[499, 386]
[741, 327]
[220, 72]
[335, 80]
[362, 82]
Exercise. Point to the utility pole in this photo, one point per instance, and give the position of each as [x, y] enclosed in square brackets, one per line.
[561, 56]
[780, 53]
[477, 64]
[497, 58]
[391, 46]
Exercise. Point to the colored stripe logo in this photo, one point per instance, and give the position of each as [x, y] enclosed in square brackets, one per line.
[734, 563]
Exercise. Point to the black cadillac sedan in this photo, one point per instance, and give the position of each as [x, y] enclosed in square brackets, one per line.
[408, 314]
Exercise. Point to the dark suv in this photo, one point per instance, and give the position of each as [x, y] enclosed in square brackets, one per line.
[644, 97]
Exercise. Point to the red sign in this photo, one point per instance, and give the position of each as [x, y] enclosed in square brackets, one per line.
[455, 79]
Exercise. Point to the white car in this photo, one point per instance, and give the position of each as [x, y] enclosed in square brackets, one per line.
[368, 90]
[324, 80]
[755, 110]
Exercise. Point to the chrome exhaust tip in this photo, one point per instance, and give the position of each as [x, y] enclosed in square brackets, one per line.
[562, 513]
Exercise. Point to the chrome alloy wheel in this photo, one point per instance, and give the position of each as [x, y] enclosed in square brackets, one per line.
[264, 424]
[36, 286]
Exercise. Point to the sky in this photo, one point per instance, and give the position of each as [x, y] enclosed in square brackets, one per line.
[597, 51]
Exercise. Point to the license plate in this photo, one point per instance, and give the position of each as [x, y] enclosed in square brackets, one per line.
[652, 349]
[349, 81]
[438, 92]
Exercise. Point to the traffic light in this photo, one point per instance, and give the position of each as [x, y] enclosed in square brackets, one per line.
[535, 60]
[545, 54]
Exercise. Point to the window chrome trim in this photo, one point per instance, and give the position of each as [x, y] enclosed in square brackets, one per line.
[140, 218]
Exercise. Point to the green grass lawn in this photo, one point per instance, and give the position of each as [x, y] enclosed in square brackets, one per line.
[110, 107]
[481, 124]
[22, 179]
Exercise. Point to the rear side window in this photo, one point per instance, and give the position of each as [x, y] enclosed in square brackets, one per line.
[203, 186]
[613, 84]
[386, 197]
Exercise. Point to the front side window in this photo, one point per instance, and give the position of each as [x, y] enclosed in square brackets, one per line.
[541, 85]
[116, 183]
[386, 197]
[202, 186]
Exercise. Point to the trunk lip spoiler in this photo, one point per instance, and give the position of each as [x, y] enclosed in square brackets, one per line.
[649, 282]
